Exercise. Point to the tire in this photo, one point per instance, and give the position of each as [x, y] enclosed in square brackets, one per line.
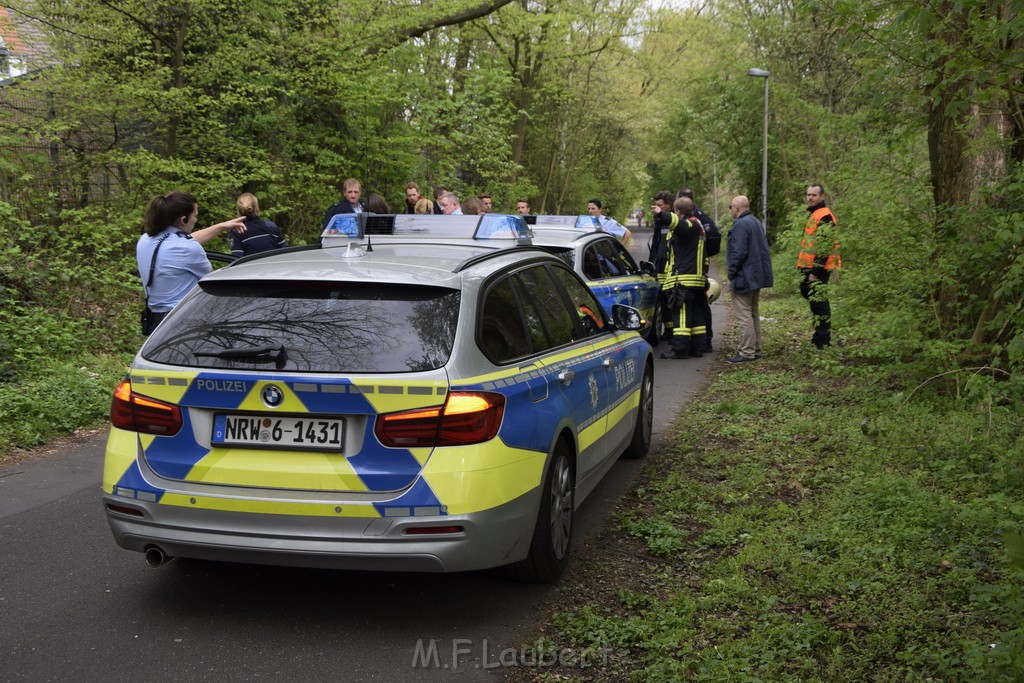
[641, 442]
[657, 329]
[552, 536]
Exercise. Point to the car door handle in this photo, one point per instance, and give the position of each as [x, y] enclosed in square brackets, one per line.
[565, 376]
[608, 362]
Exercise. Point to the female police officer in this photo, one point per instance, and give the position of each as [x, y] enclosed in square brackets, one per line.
[170, 253]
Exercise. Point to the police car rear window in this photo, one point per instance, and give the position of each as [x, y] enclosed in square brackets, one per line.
[309, 327]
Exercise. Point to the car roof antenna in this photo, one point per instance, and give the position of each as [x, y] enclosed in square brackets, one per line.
[369, 245]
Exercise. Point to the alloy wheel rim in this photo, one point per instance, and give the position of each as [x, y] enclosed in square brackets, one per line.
[561, 507]
[648, 408]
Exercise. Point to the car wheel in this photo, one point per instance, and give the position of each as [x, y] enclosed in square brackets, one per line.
[657, 329]
[644, 427]
[552, 535]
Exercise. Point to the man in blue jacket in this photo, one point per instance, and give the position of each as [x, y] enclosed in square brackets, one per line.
[748, 260]
[350, 204]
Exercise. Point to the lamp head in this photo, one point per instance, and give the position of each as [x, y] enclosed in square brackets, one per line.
[759, 73]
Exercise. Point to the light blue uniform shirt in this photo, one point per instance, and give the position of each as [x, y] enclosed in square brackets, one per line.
[612, 226]
[180, 263]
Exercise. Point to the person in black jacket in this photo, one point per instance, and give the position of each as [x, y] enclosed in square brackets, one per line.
[710, 233]
[260, 235]
[748, 260]
[350, 204]
[686, 284]
[412, 195]
[663, 221]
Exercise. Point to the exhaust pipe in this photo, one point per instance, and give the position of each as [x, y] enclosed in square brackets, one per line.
[155, 556]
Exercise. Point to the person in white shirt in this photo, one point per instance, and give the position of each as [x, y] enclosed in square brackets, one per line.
[449, 202]
[609, 225]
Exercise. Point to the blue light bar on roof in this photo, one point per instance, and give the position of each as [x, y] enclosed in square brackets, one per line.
[578, 221]
[343, 225]
[429, 225]
[556, 221]
[346, 227]
[501, 226]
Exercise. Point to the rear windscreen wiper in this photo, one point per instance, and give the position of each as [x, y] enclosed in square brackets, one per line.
[262, 354]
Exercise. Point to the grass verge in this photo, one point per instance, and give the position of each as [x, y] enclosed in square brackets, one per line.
[58, 397]
[817, 516]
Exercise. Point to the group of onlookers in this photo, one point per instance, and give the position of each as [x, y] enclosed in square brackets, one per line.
[170, 253]
[170, 222]
[445, 202]
[678, 249]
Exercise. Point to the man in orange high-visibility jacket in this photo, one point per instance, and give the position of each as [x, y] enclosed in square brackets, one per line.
[819, 256]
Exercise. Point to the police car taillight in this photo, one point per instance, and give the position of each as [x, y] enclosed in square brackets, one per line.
[467, 417]
[143, 414]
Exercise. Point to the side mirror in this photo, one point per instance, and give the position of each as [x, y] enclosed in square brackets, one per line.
[626, 317]
[647, 268]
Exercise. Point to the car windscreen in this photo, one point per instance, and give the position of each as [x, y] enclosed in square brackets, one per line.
[309, 327]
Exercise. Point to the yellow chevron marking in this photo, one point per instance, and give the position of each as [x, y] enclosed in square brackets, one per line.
[122, 450]
[390, 397]
[164, 386]
[290, 404]
[275, 469]
[470, 479]
[421, 454]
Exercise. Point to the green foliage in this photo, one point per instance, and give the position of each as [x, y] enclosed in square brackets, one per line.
[60, 396]
[857, 533]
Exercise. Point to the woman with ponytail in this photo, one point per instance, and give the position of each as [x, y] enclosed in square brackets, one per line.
[170, 253]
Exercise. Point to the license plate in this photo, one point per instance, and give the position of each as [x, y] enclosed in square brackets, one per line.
[306, 433]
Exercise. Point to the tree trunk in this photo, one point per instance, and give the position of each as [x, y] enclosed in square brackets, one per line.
[177, 81]
[954, 179]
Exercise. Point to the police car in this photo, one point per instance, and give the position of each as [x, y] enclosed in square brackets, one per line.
[404, 403]
[604, 264]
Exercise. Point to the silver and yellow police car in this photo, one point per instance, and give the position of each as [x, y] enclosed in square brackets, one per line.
[604, 264]
[410, 403]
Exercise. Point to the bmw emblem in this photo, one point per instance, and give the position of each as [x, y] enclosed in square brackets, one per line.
[272, 395]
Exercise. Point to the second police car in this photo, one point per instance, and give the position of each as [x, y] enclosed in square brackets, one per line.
[409, 403]
[604, 264]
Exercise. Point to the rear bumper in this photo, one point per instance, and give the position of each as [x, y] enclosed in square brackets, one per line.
[490, 538]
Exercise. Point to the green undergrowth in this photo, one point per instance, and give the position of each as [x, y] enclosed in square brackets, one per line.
[57, 397]
[822, 516]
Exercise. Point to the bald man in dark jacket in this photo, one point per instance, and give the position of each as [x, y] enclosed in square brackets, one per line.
[748, 260]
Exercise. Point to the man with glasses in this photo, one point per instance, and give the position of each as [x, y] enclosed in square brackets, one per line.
[450, 206]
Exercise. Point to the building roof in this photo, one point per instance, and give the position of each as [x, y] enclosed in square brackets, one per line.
[24, 43]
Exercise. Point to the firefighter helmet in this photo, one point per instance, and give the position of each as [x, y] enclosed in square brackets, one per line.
[714, 290]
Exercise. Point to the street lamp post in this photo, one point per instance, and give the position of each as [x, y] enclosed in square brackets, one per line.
[762, 73]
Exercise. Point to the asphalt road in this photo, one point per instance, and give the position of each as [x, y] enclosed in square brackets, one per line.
[75, 606]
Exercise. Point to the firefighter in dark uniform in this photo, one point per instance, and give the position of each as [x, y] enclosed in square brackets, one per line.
[686, 285]
[664, 221]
